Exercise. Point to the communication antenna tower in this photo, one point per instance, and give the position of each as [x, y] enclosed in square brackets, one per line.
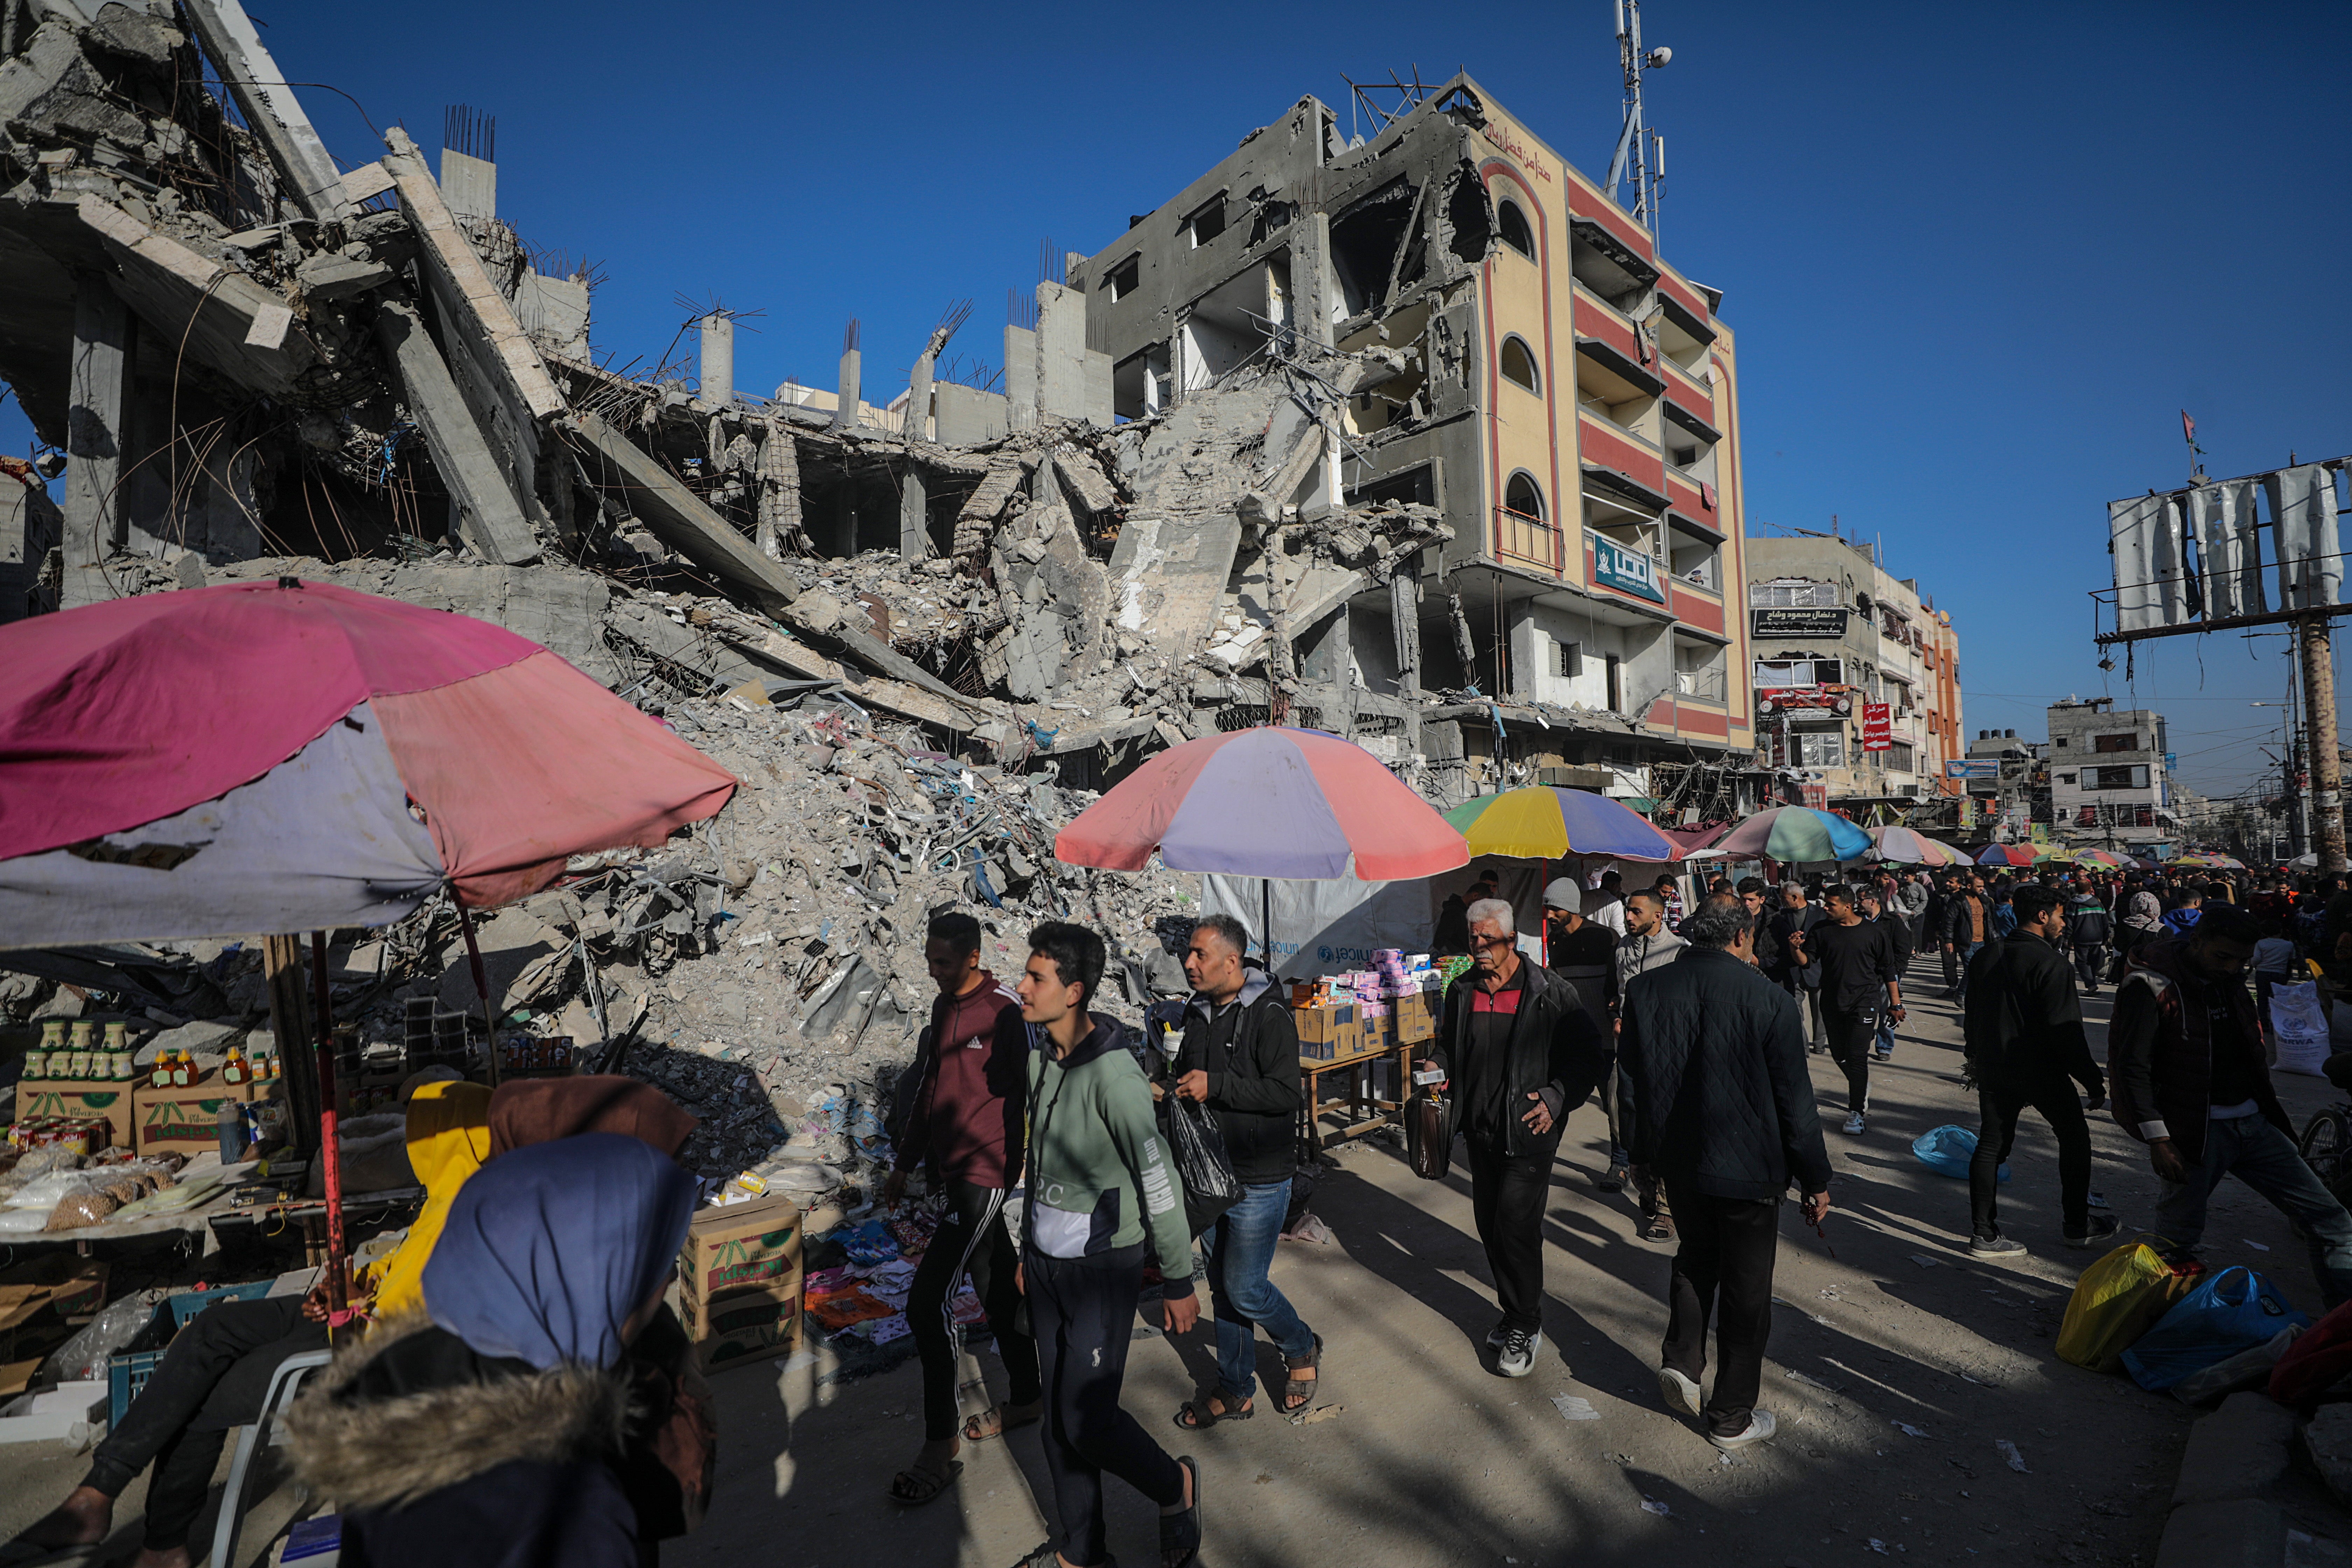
[1641, 154]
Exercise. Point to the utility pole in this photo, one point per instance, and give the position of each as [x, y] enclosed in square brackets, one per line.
[2315, 644]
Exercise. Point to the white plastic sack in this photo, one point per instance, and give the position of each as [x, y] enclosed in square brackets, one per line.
[2300, 1026]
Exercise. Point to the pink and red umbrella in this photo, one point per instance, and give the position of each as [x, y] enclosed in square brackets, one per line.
[1269, 802]
[2009, 855]
[275, 757]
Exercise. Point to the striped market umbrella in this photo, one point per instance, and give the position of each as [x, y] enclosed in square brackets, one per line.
[1796, 833]
[2210, 861]
[2009, 855]
[2102, 858]
[1269, 802]
[1544, 823]
[1906, 847]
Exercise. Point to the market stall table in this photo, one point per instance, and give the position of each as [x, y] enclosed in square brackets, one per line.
[1366, 1110]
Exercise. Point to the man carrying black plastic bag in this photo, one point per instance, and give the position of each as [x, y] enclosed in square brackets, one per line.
[1240, 1060]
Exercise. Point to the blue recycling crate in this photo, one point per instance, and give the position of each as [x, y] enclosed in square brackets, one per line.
[127, 1371]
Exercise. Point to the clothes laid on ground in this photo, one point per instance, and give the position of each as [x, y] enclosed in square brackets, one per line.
[973, 1096]
[1249, 1049]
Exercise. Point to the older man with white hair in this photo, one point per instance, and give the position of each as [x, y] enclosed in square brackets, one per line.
[1519, 1051]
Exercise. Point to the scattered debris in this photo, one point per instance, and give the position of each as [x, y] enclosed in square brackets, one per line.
[1574, 1409]
[2010, 1456]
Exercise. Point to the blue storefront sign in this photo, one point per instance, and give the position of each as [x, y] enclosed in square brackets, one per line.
[1618, 567]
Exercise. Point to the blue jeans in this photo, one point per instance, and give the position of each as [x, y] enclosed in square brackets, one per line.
[2267, 1160]
[1240, 1246]
[1886, 1030]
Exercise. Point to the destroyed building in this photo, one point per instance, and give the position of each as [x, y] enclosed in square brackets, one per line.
[1527, 364]
[1290, 450]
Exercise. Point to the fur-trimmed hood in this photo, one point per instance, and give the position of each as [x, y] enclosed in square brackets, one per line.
[386, 1453]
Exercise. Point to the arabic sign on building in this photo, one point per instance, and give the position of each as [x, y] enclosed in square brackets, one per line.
[1797, 622]
[1989, 769]
[1615, 566]
[1877, 726]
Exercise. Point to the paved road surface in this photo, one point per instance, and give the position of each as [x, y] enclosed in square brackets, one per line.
[1426, 1459]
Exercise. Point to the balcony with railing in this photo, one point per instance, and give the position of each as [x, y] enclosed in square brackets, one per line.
[1527, 539]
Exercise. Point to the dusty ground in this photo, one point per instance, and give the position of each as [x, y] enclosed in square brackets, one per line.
[1424, 1458]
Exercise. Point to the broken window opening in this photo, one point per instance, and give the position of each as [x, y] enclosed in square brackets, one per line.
[1139, 383]
[1207, 221]
[1227, 327]
[1523, 496]
[1608, 267]
[1124, 278]
[1512, 225]
[1518, 363]
[1415, 486]
[1567, 659]
[1365, 240]
[1469, 216]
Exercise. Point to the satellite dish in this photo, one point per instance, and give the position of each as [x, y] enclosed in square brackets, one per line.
[1657, 57]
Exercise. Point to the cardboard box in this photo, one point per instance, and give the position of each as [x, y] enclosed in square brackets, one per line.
[739, 1282]
[97, 1099]
[1326, 1033]
[187, 1120]
[1379, 1033]
[1416, 1019]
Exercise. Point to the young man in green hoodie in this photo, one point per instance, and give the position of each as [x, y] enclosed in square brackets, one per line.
[1102, 1193]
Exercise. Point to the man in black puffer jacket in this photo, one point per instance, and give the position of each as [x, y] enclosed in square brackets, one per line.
[1720, 1106]
[1240, 1058]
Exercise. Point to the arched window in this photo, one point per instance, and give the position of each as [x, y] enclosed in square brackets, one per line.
[1522, 495]
[1513, 224]
[1518, 363]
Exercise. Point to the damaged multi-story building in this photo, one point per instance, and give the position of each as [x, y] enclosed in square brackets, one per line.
[1522, 362]
[1414, 438]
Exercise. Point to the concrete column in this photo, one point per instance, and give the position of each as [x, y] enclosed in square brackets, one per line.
[1312, 285]
[847, 413]
[1020, 375]
[717, 362]
[918, 424]
[779, 491]
[914, 517]
[1405, 622]
[1526, 650]
[105, 339]
[1061, 352]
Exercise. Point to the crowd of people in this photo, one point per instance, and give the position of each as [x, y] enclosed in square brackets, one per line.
[514, 1391]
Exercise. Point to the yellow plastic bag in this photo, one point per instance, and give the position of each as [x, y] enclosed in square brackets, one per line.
[2117, 1299]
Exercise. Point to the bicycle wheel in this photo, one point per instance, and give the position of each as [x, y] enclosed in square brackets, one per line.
[2327, 1142]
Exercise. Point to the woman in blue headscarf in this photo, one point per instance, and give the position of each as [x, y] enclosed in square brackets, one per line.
[485, 1434]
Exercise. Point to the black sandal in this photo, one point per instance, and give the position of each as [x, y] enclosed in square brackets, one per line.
[922, 1484]
[1179, 1533]
[1298, 1392]
[1194, 1415]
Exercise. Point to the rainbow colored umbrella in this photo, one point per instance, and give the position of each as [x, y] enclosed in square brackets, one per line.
[2008, 855]
[1906, 847]
[1542, 822]
[2102, 857]
[1796, 833]
[1270, 801]
[2210, 861]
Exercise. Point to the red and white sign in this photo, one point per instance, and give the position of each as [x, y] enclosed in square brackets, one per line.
[1877, 726]
[1817, 795]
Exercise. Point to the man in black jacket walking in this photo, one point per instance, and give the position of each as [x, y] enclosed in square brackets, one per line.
[1520, 1051]
[1720, 1107]
[2023, 1029]
[1857, 975]
[1240, 1058]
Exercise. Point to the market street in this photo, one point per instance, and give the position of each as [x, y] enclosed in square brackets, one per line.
[1427, 1459]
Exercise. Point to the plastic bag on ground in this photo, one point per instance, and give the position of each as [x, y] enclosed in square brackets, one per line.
[2299, 1024]
[2247, 1368]
[2116, 1301]
[1199, 1148]
[1948, 1150]
[2230, 1311]
[84, 1355]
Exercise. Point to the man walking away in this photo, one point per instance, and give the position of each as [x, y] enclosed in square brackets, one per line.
[1240, 1058]
[2186, 1058]
[1911, 903]
[1898, 936]
[1101, 1194]
[2143, 921]
[1858, 975]
[1791, 926]
[1968, 926]
[966, 1128]
[1520, 1051]
[1721, 1110]
[1648, 945]
[1584, 954]
[2089, 929]
[2025, 1047]
[2187, 913]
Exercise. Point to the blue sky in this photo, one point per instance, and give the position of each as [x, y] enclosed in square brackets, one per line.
[1977, 257]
